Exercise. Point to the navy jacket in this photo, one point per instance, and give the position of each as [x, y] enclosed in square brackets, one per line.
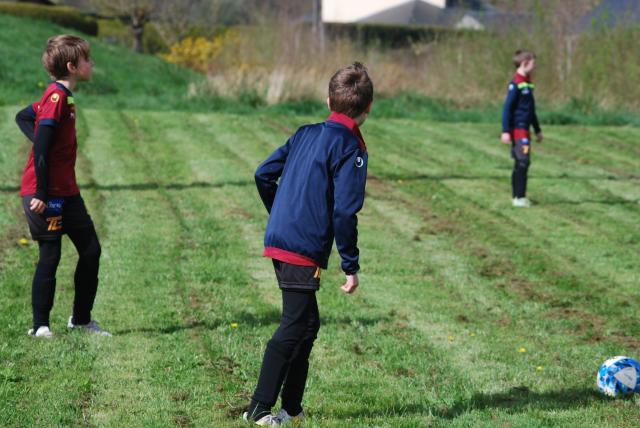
[520, 107]
[313, 187]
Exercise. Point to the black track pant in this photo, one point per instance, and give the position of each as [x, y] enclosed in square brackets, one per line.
[85, 279]
[520, 152]
[286, 359]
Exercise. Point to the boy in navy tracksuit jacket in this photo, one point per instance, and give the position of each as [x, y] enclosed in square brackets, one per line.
[518, 115]
[313, 187]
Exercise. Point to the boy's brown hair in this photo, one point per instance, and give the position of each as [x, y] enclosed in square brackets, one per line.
[521, 56]
[61, 50]
[350, 90]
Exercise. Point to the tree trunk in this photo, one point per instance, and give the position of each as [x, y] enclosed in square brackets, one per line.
[138, 19]
[138, 32]
[318, 25]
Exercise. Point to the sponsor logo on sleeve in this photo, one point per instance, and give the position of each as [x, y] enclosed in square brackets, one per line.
[359, 162]
[55, 98]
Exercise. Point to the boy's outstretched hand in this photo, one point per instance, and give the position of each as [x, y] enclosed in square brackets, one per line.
[505, 138]
[351, 284]
[539, 137]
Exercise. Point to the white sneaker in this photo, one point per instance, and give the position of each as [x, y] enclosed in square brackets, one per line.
[92, 327]
[286, 418]
[265, 421]
[521, 202]
[43, 331]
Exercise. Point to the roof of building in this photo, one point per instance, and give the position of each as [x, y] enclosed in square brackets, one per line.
[477, 15]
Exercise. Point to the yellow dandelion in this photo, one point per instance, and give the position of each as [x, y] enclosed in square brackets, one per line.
[234, 325]
[23, 242]
[450, 338]
[539, 368]
[522, 350]
[472, 334]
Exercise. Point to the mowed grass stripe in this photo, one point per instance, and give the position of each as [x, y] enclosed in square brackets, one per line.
[152, 364]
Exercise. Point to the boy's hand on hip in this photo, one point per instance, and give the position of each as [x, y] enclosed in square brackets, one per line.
[505, 138]
[539, 137]
[351, 284]
[37, 206]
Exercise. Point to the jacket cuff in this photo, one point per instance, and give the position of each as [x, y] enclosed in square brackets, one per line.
[351, 271]
[41, 194]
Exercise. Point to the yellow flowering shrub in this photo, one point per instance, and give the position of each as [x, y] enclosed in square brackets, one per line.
[200, 53]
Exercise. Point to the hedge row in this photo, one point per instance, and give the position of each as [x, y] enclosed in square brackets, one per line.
[62, 15]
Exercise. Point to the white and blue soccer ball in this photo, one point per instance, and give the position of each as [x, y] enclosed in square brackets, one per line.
[619, 376]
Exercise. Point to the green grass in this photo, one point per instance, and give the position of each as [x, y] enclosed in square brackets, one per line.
[454, 280]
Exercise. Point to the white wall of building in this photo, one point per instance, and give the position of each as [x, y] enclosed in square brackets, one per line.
[355, 10]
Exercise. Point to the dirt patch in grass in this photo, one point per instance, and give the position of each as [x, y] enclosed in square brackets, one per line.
[278, 126]
[592, 328]
[238, 213]
[182, 420]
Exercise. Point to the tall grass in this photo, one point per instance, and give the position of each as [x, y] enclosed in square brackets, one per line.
[274, 62]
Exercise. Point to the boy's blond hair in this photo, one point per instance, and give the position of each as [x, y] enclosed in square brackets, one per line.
[350, 90]
[61, 50]
[521, 56]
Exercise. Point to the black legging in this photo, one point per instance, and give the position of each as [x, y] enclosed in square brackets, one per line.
[286, 359]
[520, 172]
[85, 279]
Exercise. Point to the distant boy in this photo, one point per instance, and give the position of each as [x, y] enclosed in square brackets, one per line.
[322, 172]
[518, 115]
[50, 195]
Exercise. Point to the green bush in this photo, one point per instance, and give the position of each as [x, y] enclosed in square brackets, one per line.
[62, 15]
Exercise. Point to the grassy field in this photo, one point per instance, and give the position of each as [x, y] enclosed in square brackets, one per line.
[470, 312]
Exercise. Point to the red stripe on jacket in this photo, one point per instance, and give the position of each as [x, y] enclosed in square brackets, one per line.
[288, 257]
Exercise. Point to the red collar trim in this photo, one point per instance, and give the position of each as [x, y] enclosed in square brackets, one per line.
[345, 120]
[519, 78]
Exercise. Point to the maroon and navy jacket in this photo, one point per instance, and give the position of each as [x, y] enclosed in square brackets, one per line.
[56, 109]
[313, 187]
[519, 111]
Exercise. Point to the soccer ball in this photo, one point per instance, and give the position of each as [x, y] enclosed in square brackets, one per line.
[619, 376]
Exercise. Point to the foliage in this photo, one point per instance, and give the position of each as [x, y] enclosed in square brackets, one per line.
[115, 31]
[61, 15]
